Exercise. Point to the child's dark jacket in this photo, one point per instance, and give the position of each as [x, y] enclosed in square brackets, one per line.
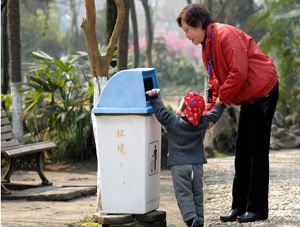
[185, 141]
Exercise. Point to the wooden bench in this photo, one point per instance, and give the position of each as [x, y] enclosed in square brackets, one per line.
[21, 157]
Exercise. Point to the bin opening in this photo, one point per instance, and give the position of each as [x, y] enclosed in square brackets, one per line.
[148, 85]
[124, 93]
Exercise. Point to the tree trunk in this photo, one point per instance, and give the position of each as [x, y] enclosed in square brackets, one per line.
[111, 17]
[101, 82]
[99, 64]
[136, 54]
[123, 40]
[149, 33]
[5, 50]
[208, 5]
[13, 14]
[3, 4]
[73, 25]
[76, 28]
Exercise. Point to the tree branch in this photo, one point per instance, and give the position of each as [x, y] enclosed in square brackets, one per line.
[100, 64]
[88, 25]
[222, 9]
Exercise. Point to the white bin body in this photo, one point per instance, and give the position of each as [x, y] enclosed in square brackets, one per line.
[130, 159]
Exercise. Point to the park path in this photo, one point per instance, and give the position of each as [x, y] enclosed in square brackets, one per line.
[284, 196]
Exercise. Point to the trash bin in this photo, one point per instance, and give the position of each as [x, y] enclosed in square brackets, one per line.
[129, 139]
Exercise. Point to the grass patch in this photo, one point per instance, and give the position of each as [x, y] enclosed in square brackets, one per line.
[86, 222]
[219, 154]
[4, 166]
[91, 222]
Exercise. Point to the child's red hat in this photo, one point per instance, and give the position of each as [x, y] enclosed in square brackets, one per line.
[195, 106]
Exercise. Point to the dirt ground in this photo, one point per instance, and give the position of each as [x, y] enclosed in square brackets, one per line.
[284, 196]
[59, 213]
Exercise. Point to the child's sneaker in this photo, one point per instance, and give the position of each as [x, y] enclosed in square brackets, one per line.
[194, 223]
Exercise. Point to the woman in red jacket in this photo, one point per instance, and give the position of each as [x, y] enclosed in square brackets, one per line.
[239, 74]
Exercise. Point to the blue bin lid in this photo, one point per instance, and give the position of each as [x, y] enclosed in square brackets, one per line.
[124, 93]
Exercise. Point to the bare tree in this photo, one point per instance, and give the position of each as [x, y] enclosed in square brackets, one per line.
[149, 33]
[135, 35]
[123, 40]
[13, 15]
[99, 64]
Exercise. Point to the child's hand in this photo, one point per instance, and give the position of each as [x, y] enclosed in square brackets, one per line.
[152, 92]
[218, 101]
[210, 125]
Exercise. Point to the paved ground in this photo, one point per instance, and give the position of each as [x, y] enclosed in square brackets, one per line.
[284, 195]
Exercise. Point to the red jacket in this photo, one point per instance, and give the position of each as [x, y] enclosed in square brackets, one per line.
[240, 72]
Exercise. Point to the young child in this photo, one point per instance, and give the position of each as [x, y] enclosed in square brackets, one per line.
[186, 156]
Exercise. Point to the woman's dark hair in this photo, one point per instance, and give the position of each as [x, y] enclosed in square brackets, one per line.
[194, 14]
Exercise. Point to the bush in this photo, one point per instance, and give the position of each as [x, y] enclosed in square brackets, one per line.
[58, 97]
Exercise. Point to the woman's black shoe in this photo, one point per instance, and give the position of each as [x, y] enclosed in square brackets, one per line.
[250, 217]
[231, 216]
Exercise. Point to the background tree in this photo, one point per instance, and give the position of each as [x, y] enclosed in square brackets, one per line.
[73, 26]
[135, 36]
[235, 13]
[111, 17]
[280, 20]
[13, 14]
[41, 18]
[149, 33]
[5, 49]
[209, 4]
[123, 40]
[99, 63]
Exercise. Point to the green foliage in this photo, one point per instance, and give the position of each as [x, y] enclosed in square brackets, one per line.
[7, 99]
[176, 74]
[41, 30]
[281, 21]
[35, 35]
[58, 96]
[181, 90]
[169, 108]
[236, 13]
[58, 101]
[82, 58]
[219, 154]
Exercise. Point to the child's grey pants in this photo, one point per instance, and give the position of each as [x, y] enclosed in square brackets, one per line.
[188, 186]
